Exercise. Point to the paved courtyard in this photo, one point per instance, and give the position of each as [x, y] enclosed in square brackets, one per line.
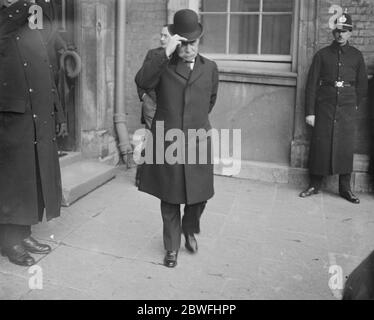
[258, 241]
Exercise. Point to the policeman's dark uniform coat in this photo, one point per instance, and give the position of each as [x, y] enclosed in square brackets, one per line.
[29, 166]
[184, 101]
[336, 109]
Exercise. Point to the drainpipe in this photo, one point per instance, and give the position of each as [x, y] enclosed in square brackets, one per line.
[120, 108]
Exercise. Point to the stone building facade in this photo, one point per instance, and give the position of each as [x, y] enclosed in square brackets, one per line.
[263, 98]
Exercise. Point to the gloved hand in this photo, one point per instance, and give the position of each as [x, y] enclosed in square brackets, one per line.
[311, 120]
[62, 130]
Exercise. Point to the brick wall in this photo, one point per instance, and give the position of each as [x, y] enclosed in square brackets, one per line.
[362, 12]
[145, 19]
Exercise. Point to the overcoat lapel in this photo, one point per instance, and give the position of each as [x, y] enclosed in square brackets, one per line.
[197, 71]
[182, 69]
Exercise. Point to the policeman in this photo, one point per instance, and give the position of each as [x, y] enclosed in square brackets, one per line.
[30, 180]
[336, 86]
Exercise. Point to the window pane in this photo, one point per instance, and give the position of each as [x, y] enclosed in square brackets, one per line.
[214, 38]
[278, 5]
[213, 5]
[245, 5]
[244, 34]
[276, 34]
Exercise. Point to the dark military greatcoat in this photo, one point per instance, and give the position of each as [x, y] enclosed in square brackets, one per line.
[335, 107]
[184, 101]
[29, 108]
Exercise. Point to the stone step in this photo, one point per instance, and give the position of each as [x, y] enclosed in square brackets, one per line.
[81, 177]
[69, 158]
[280, 173]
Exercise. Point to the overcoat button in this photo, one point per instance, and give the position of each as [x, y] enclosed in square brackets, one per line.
[10, 16]
[34, 116]
[31, 90]
[17, 38]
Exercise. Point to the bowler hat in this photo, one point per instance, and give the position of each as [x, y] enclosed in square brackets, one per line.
[344, 22]
[186, 24]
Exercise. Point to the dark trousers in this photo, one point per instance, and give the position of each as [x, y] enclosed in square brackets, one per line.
[173, 226]
[12, 234]
[344, 182]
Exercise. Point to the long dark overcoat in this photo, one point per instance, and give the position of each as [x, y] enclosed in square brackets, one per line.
[29, 107]
[336, 109]
[184, 101]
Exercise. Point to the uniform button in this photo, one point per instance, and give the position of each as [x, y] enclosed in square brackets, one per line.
[52, 114]
[17, 11]
[31, 90]
[10, 16]
[34, 116]
[25, 64]
[50, 66]
[53, 90]
[35, 142]
[54, 139]
[25, 4]
[17, 38]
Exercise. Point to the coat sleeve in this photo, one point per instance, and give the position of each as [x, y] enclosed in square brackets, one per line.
[312, 85]
[215, 81]
[149, 75]
[361, 81]
[141, 91]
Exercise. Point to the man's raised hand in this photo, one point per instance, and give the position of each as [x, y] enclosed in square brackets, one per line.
[173, 44]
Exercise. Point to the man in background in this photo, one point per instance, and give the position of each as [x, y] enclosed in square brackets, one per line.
[148, 98]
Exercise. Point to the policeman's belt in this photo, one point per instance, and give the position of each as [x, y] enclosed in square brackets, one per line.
[337, 84]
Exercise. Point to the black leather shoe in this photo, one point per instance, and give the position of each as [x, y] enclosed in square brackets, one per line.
[18, 255]
[191, 243]
[33, 246]
[348, 195]
[170, 260]
[309, 192]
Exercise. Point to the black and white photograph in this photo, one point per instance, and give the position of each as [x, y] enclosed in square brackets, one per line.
[186, 155]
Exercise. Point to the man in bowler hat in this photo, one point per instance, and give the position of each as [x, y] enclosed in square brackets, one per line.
[186, 86]
[336, 86]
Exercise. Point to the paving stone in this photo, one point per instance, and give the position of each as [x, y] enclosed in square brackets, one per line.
[75, 268]
[12, 287]
[98, 237]
[56, 292]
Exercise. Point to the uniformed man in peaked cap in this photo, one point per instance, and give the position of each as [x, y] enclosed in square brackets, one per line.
[336, 86]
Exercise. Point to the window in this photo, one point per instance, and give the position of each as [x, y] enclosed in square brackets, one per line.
[248, 29]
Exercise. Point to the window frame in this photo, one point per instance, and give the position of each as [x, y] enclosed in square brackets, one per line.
[289, 59]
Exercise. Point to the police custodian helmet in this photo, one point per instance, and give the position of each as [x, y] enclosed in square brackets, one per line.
[344, 22]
